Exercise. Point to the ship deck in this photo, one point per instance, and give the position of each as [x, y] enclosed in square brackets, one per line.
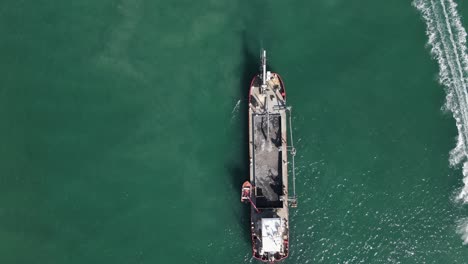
[267, 160]
[268, 165]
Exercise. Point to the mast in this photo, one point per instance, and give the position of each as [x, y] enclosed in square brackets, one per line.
[264, 73]
[264, 67]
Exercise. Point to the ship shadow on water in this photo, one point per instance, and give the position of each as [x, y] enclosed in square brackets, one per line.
[238, 167]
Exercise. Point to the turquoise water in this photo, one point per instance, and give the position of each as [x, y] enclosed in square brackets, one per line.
[123, 133]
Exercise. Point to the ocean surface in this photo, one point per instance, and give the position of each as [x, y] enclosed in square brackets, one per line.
[123, 129]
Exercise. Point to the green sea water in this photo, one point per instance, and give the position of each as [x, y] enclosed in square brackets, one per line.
[123, 131]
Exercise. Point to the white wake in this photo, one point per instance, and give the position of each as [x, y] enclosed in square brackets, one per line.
[447, 39]
[235, 110]
[236, 107]
[462, 230]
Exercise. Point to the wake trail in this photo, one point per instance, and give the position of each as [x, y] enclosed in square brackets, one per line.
[462, 230]
[447, 39]
[236, 107]
[235, 110]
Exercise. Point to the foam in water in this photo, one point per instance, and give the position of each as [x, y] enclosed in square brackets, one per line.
[235, 110]
[447, 40]
[236, 107]
[462, 229]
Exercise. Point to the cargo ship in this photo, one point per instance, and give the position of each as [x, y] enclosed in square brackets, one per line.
[267, 192]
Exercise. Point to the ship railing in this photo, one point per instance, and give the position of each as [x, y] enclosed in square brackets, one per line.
[293, 199]
[279, 107]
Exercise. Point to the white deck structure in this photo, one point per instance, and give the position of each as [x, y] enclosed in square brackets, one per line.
[271, 235]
